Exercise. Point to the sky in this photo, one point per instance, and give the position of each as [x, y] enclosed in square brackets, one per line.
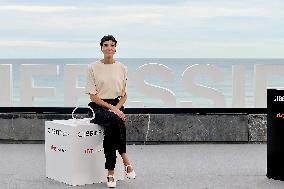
[143, 29]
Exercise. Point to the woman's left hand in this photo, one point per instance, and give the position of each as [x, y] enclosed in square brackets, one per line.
[119, 113]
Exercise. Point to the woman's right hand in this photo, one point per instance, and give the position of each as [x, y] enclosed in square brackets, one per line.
[118, 112]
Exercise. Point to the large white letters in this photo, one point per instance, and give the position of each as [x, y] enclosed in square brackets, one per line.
[200, 90]
[28, 89]
[238, 86]
[5, 85]
[166, 95]
[72, 91]
[260, 81]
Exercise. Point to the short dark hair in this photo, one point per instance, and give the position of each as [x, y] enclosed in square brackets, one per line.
[108, 38]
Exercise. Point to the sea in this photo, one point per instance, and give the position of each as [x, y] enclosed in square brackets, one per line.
[138, 98]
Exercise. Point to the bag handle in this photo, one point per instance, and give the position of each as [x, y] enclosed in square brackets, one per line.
[88, 107]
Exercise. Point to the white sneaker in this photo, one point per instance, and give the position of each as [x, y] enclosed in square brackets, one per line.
[132, 174]
[111, 183]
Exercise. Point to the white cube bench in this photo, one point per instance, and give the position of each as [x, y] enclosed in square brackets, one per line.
[74, 152]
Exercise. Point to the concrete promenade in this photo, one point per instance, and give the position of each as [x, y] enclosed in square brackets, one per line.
[165, 166]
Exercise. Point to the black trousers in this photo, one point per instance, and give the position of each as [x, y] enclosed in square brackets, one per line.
[114, 129]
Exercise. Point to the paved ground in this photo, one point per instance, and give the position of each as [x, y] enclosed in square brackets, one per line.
[190, 166]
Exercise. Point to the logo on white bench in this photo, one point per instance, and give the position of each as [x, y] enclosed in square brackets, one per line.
[57, 149]
[57, 132]
[90, 133]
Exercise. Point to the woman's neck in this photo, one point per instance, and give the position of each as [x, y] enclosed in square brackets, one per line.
[108, 60]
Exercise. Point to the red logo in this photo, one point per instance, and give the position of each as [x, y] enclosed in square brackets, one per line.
[53, 147]
[89, 151]
[280, 115]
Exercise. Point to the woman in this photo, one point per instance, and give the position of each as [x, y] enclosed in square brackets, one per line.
[106, 85]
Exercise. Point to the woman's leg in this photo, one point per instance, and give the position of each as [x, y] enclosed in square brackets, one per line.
[122, 146]
[111, 123]
[126, 162]
[121, 138]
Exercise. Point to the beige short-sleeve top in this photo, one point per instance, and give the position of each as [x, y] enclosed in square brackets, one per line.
[107, 81]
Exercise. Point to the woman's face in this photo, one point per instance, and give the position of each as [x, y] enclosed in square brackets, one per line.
[108, 48]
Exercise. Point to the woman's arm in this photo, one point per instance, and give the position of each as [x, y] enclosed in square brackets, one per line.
[100, 102]
[121, 101]
[114, 109]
